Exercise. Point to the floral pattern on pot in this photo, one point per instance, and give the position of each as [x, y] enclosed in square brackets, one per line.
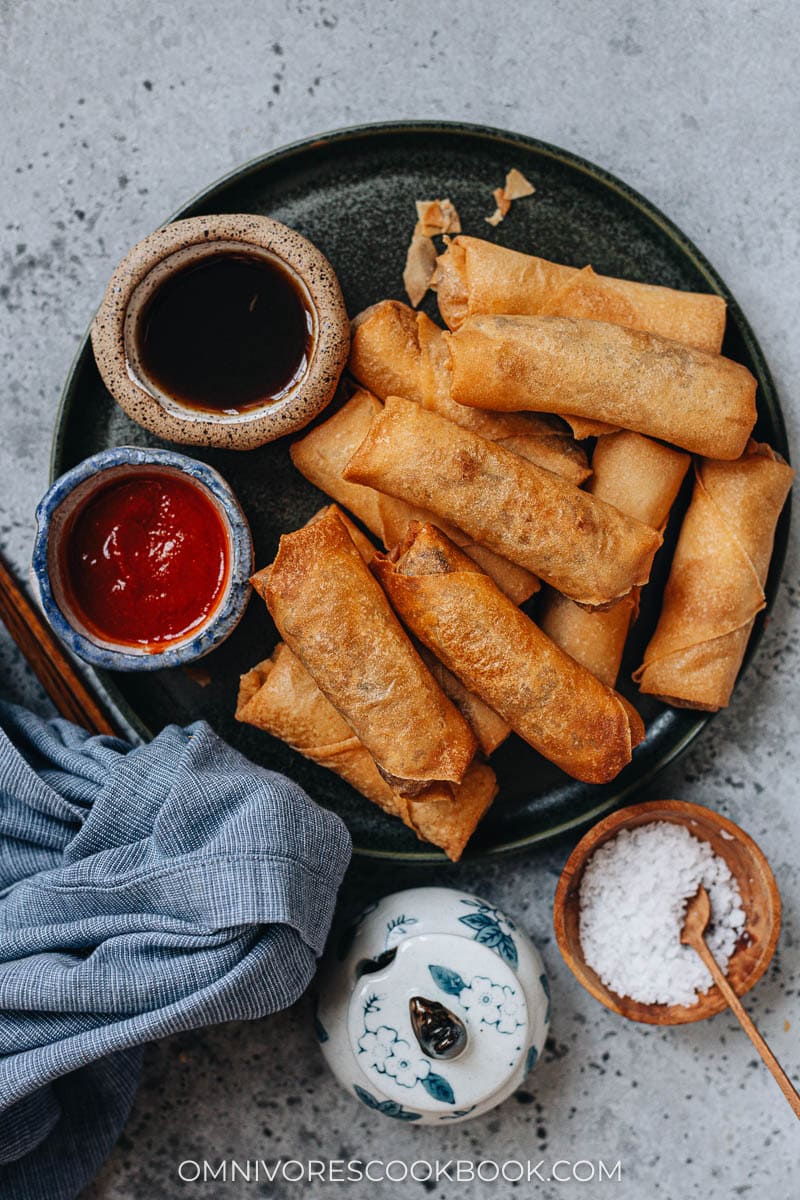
[493, 1004]
[491, 928]
[458, 1113]
[397, 928]
[389, 1108]
[382, 1050]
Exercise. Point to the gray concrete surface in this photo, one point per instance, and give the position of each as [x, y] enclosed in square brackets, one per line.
[113, 114]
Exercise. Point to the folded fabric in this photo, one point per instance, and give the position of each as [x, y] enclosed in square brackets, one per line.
[143, 892]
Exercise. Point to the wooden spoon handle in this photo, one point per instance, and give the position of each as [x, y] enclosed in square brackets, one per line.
[780, 1076]
[47, 659]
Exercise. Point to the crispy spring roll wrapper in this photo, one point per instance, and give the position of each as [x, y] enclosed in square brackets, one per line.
[698, 401]
[581, 428]
[489, 728]
[475, 276]
[396, 351]
[595, 643]
[551, 701]
[359, 539]
[578, 544]
[332, 614]
[641, 478]
[716, 583]
[322, 456]
[280, 697]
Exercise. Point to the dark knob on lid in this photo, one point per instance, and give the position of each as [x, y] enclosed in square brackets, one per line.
[439, 1032]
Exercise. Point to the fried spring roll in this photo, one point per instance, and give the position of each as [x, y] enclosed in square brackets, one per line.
[698, 401]
[396, 351]
[360, 540]
[332, 614]
[641, 478]
[322, 456]
[578, 544]
[716, 583]
[489, 728]
[551, 701]
[475, 276]
[280, 697]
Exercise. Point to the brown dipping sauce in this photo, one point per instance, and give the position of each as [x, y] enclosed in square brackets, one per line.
[226, 334]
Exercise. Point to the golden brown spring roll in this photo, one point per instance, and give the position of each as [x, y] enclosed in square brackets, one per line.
[489, 728]
[475, 276]
[578, 544]
[641, 478]
[551, 701]
[359, 539]
[322, 456]
[396, 351]
[716, 583]
[280, 697]
[698, 401]
[332, 614]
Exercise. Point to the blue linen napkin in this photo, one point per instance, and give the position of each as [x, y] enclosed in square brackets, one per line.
[143, 892]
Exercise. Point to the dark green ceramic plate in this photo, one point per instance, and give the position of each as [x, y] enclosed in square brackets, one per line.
[353, 193]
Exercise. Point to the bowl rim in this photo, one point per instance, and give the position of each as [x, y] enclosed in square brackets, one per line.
[687, 811]
[218, 625]
[161, 271]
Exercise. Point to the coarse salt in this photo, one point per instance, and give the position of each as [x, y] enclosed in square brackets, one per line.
[633, 899]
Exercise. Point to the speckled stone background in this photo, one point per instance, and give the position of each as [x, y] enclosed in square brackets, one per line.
[113, 114]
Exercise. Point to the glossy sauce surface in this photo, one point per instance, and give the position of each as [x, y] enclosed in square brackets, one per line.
[145, 560]
[226, 334]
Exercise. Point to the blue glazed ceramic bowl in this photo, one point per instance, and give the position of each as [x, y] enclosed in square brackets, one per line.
[72, 490]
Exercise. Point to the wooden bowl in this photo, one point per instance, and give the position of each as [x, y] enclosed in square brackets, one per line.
[760, 900]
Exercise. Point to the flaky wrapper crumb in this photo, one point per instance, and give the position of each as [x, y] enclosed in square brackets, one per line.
[419, 268]
[437, 217]
[515, 187]
[434, 218]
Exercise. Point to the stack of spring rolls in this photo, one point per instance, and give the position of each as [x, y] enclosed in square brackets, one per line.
[403, 668]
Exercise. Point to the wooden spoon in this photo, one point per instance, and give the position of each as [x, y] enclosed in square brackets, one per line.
[697, 917]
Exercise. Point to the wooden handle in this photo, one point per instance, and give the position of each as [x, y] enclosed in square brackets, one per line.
[47, 658]
[780, 1076]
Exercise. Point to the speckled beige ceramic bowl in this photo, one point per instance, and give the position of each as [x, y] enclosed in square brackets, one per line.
[151, 262]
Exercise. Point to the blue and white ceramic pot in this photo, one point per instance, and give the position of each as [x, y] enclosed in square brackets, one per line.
[433, 1007]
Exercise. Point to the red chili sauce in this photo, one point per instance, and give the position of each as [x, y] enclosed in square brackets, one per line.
[146, 560]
